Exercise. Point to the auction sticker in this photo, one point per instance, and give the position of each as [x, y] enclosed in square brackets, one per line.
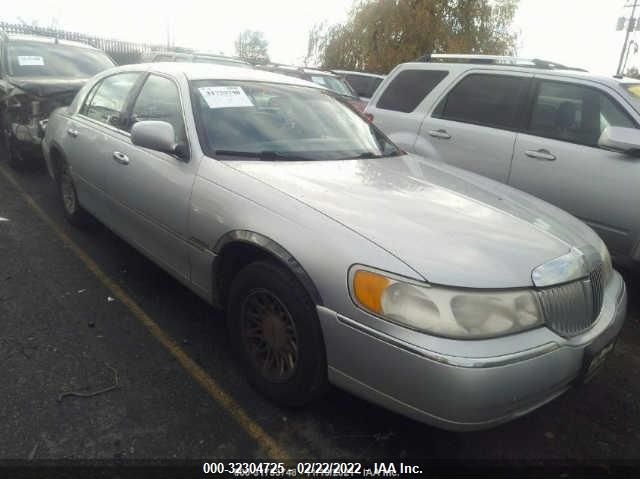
[225, 97]
[29, 60]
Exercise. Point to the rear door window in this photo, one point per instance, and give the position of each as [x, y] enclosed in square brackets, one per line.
[488, 100]
[407, 90]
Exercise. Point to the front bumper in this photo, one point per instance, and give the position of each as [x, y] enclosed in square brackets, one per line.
[459, 392]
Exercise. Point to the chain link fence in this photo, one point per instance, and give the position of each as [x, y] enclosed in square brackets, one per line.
[122, 52]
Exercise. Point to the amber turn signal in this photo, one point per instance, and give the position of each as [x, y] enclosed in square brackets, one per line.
[368, 288]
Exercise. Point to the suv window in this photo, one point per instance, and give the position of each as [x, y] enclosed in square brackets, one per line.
[159, 100]
[107, 99]
[489, 100]
[575, 113]
[408, 89]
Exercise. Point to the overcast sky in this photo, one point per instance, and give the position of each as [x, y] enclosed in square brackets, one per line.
[575, 32]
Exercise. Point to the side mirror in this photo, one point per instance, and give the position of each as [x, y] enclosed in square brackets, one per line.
[157, 135]
[625, 140]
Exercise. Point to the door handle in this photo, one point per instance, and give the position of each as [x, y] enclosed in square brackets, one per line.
[121, 158]
[441, 133]
[72, 132]
[540, 154]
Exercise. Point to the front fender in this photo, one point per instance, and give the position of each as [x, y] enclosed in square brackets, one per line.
[274, 249]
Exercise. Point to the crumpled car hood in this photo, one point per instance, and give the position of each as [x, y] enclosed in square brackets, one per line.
[451, 226]
[47, 86]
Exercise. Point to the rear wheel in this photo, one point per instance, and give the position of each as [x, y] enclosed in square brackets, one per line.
[20, 158]
[73, 211]
[15, 157]
[276, 334]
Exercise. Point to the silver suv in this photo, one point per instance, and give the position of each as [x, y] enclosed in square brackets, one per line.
[563, 135]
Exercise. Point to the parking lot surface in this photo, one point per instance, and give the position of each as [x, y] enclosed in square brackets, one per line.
[151, 375]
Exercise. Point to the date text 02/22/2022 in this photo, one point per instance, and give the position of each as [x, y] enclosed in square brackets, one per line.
[274, 469]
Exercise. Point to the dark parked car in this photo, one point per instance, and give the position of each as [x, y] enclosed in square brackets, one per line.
[364, 84]
[37, 75]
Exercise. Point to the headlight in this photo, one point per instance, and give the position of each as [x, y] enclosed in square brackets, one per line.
[454, 313]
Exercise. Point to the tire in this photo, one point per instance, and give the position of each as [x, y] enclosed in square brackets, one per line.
[15, 157]
[73, 211]
[269, 310]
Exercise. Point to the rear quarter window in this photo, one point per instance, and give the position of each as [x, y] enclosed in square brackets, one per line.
[409, 87]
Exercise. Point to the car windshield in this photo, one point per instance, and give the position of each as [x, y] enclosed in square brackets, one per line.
[335, 84]
[282, 122]
[37, 59]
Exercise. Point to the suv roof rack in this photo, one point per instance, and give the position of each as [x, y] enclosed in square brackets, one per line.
[495, 60]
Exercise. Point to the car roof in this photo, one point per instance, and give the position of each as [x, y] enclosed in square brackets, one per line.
[216, 56]
[51, 40]
[461, 67]
[364, 74]
[209, 71]
[212, 56]
[316, 71]
[295, 69]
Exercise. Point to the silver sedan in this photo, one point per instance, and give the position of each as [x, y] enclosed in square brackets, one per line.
[339, 258]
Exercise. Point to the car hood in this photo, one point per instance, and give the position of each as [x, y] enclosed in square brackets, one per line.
[450, 226]
[47, 86]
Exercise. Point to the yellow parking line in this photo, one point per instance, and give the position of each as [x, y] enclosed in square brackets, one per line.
[270, 446]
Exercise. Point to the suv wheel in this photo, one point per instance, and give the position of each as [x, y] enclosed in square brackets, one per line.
[276, 334]
[73, 212]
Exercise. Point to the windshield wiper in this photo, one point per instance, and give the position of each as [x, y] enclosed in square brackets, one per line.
[264, 155]
[370, 155]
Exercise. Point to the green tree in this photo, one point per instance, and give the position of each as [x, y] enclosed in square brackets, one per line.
[633, 73]
[251, 46]
[379, 34]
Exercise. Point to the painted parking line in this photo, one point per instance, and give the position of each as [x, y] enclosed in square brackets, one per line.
[235, 410]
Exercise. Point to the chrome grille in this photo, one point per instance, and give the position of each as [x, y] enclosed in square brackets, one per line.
[572, 308]
[597, 280]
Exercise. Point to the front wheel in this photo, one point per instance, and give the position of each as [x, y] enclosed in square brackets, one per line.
[275, 332]
[73, 211]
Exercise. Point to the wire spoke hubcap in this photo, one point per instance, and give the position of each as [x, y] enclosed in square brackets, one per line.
[269, 335]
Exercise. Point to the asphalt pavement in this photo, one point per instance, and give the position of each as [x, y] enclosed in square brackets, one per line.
[83, 374]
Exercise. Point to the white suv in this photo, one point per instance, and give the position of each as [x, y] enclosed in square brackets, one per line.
[566, 136]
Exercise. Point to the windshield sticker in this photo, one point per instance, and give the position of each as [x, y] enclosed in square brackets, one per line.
[29, 60]
[225, 97]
